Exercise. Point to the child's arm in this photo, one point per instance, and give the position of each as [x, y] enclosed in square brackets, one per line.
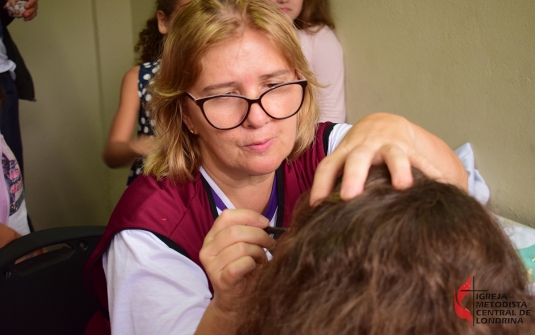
[121, 149]
[7, 235]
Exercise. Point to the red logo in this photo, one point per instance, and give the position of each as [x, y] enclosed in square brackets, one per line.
[462, 292]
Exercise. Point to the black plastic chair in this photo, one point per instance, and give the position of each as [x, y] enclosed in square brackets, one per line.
[45, 294]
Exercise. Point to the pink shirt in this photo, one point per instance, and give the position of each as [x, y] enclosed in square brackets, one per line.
[326, 60]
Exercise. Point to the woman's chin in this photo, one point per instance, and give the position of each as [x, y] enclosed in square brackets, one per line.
[262, 167]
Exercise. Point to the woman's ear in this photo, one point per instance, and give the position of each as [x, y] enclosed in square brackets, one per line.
[162, 22]
[187, 121]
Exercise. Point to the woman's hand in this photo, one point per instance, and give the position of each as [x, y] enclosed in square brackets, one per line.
[386, 139]
[231, 250]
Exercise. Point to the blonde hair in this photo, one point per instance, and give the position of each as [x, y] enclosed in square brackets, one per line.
[199, 26]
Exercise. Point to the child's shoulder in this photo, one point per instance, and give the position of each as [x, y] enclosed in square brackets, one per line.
[319, 29]
[132, 73]
[149, 69]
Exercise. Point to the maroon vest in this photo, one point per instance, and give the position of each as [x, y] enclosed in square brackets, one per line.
[184, 213]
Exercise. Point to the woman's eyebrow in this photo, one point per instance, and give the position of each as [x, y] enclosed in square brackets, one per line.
[275, 74]
[209, 89]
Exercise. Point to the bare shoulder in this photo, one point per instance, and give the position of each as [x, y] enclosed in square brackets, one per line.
[130, 79]
[132, 73]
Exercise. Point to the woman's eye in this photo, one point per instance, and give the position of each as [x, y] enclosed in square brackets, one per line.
[224, 96]
[271, 85]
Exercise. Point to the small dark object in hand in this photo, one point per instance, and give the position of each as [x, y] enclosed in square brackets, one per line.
[276, 231]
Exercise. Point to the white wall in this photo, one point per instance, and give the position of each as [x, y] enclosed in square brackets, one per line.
[465, 70]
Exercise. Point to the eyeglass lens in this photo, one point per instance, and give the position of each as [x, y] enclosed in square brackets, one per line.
[279, 103]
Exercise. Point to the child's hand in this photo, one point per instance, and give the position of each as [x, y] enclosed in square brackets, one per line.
[31, 10]
[142, 146]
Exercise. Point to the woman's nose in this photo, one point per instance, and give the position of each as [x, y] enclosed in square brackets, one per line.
[257, 117]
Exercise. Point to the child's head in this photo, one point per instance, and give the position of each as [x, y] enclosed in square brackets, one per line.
[151, 37]
[307, 14]
[387, 262]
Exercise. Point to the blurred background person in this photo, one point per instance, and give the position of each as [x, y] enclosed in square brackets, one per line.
[132, 115]
[13, 214]
[323, 51]
[15, 80]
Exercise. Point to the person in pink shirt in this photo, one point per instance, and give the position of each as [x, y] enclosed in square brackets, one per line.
[323, 51]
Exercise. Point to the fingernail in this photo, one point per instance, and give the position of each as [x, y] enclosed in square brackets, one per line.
[263, 219]
[348, 193]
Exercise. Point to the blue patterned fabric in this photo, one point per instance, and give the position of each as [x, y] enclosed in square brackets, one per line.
[145, 124]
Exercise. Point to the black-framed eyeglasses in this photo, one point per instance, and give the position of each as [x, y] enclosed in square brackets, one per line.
[228, 111]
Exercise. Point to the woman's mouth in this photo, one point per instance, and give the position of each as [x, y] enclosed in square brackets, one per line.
[261, 146]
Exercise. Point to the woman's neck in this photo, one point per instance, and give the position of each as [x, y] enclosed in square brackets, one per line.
[249, 192]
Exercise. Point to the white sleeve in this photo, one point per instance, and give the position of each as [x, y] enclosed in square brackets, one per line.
[326, 59]
[476, 184]
[337, 134]
[152, 289]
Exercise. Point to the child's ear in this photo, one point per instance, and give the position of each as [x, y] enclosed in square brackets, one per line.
[162, 22]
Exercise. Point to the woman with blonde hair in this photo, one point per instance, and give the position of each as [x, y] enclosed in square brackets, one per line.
[237, 142]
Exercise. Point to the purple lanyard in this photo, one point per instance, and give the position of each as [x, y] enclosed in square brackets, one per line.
[270, 210]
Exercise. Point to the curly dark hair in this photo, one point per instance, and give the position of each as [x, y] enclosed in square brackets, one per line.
[387, 262]
[150, 43]
[314, 14]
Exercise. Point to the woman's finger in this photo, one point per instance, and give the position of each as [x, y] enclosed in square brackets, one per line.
[356, 169]
[398, 164]
[239, 250]
[359, 161]
[226, 263]
[235, 272]
[326, 173]
[234, 235]
[429, 169]
[242, 217]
